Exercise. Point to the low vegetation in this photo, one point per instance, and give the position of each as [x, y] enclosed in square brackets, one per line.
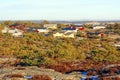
[35, 49]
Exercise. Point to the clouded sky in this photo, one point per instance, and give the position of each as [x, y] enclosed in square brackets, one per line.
[60, 9]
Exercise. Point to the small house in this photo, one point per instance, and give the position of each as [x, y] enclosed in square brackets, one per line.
[15, 32]
[79, 26]
[64, 34]
[9, 30]
[117, 45]
[50, 26]
[37, 29]
[31, 29]
[95, 34]
[67, 24]
[18, 34]
[93, 23]
[58, 34]
[5, 30]
[42, 30]
[17, 26]
[69, 35]
[99, 27]
[70, 29]
[14, 25]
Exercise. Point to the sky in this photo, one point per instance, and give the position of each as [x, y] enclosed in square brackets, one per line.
[59, 9]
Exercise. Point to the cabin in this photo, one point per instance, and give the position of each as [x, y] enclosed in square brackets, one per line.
[95, 34]
[92, 23]
[18, 34]
[67, 24]
[15, 32]
[70, 29]
[99, 27]
[117, 45]
[50, 26]
[111, 23]
[79, 26]
[31, 29]
[17, 26]
[5, 30]
[42, 30]
[9, 30]
[14, 25]
[58, 34]
[38, 29]
[69, 35]
[64, 34]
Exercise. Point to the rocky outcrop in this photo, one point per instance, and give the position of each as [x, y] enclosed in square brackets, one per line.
[36, 73]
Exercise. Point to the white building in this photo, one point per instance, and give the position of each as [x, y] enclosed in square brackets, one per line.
[74, 30]
[58, 34]
[64, 34]
[69, 35]
[9, 30]
[50, 26]
[99, 27]
[42, 30]
[14, 32]
[93, 23]
[5, 30]
[18, 34]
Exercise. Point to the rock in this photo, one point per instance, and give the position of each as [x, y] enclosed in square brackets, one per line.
[15, 79]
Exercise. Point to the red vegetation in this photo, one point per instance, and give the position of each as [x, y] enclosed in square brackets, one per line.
[65, 67]
[117, 78]
[92, 67]
[41, 77]
[14, 76]
[20, 68]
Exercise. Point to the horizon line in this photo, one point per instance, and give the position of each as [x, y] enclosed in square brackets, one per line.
[57, 20]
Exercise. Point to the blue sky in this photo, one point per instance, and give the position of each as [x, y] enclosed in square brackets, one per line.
[60, 9]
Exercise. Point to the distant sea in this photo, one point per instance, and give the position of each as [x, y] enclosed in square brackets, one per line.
[62, 21]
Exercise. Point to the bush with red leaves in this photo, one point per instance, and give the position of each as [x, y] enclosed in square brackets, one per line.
[14, 76]
[41, 77]
[21, 68]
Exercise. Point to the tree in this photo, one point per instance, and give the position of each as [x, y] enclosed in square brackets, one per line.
[8, 23]
[45, 22]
